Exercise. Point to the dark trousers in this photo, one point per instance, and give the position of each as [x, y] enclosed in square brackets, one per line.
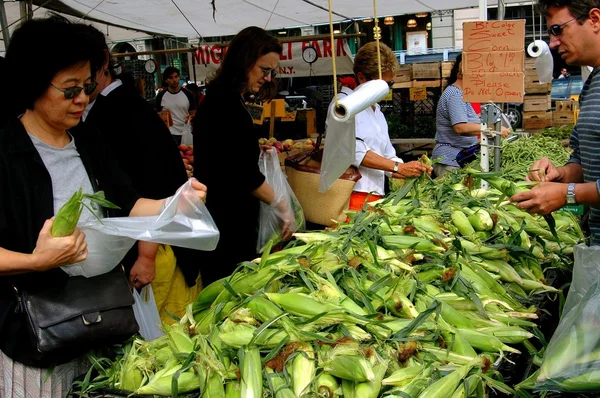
[177, 139]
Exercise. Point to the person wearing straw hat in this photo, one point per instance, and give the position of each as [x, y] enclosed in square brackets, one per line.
[375, 155]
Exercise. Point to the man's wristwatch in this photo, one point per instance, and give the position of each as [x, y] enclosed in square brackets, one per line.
[396, 165]
[571, 200]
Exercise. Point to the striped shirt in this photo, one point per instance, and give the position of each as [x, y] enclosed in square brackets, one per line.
[585, 142]
[452, 110]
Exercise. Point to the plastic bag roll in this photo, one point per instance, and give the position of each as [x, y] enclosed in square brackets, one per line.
[366, 94]
[544, 63]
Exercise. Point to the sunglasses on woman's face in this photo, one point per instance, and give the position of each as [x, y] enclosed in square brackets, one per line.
[556, 30]
[72, 92]
[390, 83]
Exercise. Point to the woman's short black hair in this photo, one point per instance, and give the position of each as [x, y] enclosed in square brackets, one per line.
[38, 50]
[245, 49]
[455, 69]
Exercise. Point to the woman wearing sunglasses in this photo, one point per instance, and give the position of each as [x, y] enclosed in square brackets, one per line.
[375, 155]
[246, 72]
[46, 155]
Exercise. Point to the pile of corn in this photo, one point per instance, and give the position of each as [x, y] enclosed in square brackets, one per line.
[422, 294]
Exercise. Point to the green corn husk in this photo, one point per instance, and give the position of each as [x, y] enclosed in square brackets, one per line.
[278, 385]
[461, 222]
[403, 376]
[350, 367]
[370, 389]
[67, 217]
[303, 369]
[208, 295]
[447, 384]
[233, 389]
[327, 386]
[481, 220]
[250, 373]
[508, 334]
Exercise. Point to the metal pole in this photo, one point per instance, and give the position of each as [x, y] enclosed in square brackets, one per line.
[4, 25]
[194, 66]
[501, 10]
[483, 10]
[497, 145]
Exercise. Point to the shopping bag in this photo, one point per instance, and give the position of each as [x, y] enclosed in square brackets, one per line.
[187, 138]
[146, 314]
[269, 227]
[184, 222]
[572, 359]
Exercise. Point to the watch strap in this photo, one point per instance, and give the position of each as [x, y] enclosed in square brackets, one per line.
[571, 199]
[396, 166]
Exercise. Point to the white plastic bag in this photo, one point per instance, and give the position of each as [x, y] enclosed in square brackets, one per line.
[270, 222]
[184, 222]
[146, 314]
[187, 138]
[571, 360]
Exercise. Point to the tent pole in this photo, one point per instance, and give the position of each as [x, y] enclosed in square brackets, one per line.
[483, 10]
[4, 25]
[194, 66]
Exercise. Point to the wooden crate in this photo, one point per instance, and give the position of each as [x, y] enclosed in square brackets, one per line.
[429, 70]
[536, 120]
[404, 74]
[402, 85]
[564, 106]
[447, 68]
[563, 118]
[426, 83]
[537, 88]
[532, 103]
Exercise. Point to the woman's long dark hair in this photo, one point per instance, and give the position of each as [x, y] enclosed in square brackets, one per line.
[455, 70]
[244, 50]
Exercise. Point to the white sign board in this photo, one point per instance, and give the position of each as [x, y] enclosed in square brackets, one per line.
[207, 59]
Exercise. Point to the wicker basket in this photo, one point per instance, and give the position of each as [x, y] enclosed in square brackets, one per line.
[323, 208]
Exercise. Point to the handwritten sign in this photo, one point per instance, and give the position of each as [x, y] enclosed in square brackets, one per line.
[493, 61]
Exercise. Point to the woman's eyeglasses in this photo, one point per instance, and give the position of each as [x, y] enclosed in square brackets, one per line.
[269, 71]
[390, 83]
[74, 91]
[556, 30]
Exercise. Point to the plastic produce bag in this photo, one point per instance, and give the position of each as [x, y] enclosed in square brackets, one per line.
[270, 222]
[184, 221]
[146, 314]
[187, 138]
[572, 358]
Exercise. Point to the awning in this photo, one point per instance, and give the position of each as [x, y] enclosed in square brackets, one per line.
[194, 18]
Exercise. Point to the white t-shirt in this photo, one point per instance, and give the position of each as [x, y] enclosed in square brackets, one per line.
[371, 135]
[179, 105]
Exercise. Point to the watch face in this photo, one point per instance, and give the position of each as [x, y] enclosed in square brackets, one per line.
[150, 66]
[309, 55]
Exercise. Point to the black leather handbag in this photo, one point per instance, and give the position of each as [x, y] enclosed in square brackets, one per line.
[80, 313]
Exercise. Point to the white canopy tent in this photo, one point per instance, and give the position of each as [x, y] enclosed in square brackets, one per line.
[194, 18]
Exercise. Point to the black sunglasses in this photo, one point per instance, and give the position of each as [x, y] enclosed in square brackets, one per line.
[556, 30]
[390, 83]
[74, 91]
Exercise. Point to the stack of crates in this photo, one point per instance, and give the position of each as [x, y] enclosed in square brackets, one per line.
[446, 69]
[537, 105]
[403, 78]
[426, 74]
[563, 114]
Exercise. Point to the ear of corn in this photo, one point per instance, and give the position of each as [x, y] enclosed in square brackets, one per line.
[327, 386]
[350, 367]
[403, 376]
[233, 389]
[303, 369]
[370, 389]
[448, 383]
[251, 373]
[462, 223]
[67, 217]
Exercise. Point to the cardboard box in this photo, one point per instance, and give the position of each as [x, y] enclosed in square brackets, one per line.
[532, 103]
[429, 70]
